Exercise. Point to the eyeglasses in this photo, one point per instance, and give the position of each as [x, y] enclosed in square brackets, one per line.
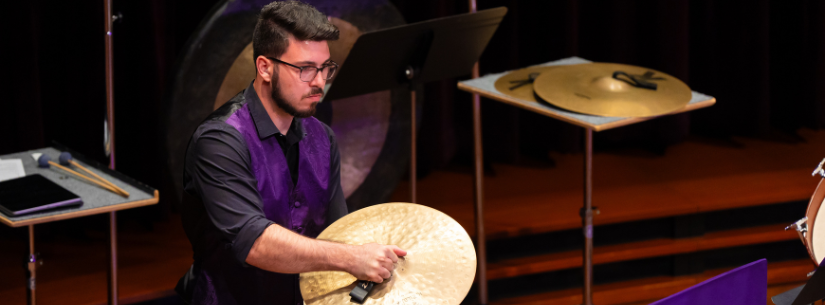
[308, 73]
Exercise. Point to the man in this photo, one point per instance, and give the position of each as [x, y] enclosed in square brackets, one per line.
[262, 177]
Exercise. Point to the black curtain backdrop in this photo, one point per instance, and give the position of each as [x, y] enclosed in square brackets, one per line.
[762, 60]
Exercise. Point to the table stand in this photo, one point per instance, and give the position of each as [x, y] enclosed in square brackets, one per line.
[31, 267]
[485, 86]
[414, 54]
[95, 201]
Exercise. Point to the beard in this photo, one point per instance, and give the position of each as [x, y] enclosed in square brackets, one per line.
[288, 107]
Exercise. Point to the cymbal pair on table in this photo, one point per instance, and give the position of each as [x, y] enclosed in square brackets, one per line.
[596, 97]
[602, 89]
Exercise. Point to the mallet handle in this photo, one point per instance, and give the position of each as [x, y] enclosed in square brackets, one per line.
[122, 191]
[84, 177]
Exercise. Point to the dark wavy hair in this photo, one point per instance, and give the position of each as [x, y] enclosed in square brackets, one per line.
[281, 18]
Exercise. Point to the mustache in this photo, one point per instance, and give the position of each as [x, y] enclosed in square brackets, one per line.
[314, 91]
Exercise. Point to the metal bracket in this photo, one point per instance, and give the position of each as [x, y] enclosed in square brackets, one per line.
[595, 211]
[819, 169]
[801, 227]
[33, 261]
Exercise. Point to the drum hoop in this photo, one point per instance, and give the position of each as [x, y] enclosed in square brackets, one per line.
[813, 208]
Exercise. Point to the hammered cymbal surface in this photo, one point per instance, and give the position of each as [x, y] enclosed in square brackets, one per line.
[509, 83]
[591, 89]
[438, 269]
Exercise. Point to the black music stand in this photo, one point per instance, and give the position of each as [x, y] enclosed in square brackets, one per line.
[414, 54]
[809, 293]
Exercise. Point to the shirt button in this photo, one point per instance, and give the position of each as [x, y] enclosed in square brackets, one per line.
[297, 204]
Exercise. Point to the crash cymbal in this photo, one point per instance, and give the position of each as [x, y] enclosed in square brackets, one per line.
[439, 267]
[519, 83]
[592, 89]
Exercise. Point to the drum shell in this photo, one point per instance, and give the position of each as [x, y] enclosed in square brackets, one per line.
[813, 211]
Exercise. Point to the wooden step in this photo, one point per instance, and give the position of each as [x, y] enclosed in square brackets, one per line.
[692, 177]
[651, 289]
[638, 250]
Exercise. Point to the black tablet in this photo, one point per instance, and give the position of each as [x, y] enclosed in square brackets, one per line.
[34, 193]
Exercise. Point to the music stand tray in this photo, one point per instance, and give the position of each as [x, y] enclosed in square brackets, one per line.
[485, 86]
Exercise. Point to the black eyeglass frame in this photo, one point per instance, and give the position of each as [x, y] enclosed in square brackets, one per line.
[330, 64]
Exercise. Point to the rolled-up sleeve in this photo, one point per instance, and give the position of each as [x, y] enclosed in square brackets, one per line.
[219, 168]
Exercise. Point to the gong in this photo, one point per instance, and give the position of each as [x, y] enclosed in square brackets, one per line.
[372, 130]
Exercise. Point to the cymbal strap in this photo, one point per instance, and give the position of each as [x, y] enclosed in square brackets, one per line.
[530, 79]
[639, 81]
[361, 290]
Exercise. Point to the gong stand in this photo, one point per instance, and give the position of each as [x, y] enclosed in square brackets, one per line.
[411, 55]
[485, 86]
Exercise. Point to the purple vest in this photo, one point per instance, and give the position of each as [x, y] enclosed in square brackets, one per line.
[301, 208]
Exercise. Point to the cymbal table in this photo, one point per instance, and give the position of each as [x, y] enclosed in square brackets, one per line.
[485, 86]
[96, 200]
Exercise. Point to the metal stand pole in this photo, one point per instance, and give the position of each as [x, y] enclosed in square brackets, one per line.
[587, 218]
[478, 187]
[110, 95]
[31, 264]
[112, 258]
[413, 166]
[110, 118]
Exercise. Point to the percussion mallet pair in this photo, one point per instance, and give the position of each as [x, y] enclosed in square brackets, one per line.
[66, 159]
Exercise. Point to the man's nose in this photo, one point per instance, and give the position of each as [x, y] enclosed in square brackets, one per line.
[318, 80]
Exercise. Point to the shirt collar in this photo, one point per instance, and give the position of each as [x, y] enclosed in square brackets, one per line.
[263, 123]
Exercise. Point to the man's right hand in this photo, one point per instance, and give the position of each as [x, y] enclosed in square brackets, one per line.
[374, 262]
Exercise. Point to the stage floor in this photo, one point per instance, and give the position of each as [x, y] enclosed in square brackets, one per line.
[691, 177]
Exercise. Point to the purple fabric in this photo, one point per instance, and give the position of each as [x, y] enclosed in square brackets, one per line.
[301, 208]
[746, 285]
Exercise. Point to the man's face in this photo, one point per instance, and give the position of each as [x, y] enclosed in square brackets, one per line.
[296, 97]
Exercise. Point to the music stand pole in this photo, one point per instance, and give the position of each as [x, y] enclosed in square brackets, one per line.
[478, 187]
[110, 118]
[587, 218]
[413, 167]
[414, 54]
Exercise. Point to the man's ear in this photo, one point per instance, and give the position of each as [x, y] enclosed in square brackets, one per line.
[265, 68]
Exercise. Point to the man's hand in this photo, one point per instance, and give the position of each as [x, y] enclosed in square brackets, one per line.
[374, 262]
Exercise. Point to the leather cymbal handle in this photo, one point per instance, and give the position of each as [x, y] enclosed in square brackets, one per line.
[361, 290]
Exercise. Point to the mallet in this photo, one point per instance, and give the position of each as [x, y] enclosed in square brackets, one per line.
[66, 159]
[45, 161]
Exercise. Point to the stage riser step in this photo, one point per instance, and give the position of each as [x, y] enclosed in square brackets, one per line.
[785, 275]
[678, 227]
[639, 250]
[664, 266]
[644, 239]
